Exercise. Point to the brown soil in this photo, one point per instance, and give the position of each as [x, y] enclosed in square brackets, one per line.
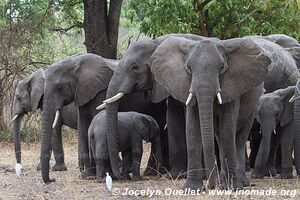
[69, 186]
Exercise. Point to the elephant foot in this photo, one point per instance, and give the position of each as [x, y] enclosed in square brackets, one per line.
[286, 173]
[38, 167]
[193, 185]
[100, 180]
[233, 183]
[137, 178]
[244, 180]
[59, 167]
[271, 172]
[177, 174]
[149, 171]
[88, 174]
[258, 174]
[286, 176]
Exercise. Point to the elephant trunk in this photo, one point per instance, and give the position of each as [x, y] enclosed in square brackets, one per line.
[297, 134]
[205, 106]
[47, 120]
[264, 148]
[17, 145]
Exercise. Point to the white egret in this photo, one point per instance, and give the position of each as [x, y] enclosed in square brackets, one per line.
[108, 181]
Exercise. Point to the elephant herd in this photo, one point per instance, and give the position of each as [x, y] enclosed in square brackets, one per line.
[181, 92]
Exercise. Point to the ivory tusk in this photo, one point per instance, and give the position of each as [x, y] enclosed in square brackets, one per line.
[189, 99]
[165, 127]
[292, 98]
[219, 98]
[14, 118]
[101, 107]
[55, 119]
[114, 98]
[275, 132]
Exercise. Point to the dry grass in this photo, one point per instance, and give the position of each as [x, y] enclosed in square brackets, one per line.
[69, 186]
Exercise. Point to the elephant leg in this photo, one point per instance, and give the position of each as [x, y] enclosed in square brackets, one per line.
[87, 164]
[254, 144]
[151, 169]
[136, 153]
[286, 141]
[176, 138]
[58, 151]
[227, 133]
[194, 150]
[241, 138]
[126, 164]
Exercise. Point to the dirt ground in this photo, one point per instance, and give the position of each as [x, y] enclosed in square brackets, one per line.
[69, 186]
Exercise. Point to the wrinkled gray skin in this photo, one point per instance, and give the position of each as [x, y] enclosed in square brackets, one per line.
[133, 127]
[275, 112]
[28, 98]
[84, 80]
[133, 75]
[234, 68]
[297, 128]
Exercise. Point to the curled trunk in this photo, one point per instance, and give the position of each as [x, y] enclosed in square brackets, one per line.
[17, 145]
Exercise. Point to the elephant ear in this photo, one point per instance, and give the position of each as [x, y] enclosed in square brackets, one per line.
[159, 93]
[247, 67]
[167, 66]
[36, 87]
[295, 52]
[142, 125]
[93, 76]
[287, 115]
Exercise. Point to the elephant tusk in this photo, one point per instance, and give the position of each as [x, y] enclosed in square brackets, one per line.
[14, 118]
[259, 132]
[165, 127]
[189, 99]
[55, 119]
[219, 98]
[275, 132]
[292, 98]
[101, 107]
[114, 98]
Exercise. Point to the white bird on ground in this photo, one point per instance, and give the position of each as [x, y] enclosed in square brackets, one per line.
[108, 181]
[18, 169]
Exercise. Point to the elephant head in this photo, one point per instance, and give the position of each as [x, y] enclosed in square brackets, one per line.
[150, 131]
[28, 97]
[78, 78]
[207, 70]
[274, 109]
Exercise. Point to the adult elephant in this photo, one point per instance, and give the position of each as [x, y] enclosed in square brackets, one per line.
[133, 75]
[229, 69]
[28, 98]
[84, 80]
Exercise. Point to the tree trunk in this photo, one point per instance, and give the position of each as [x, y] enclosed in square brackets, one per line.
[2, 121]
[101, 24]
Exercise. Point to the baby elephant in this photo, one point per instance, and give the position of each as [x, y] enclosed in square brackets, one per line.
[133, 127]
[275, 115]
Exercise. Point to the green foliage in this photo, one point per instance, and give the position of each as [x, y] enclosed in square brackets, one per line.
[223, 19]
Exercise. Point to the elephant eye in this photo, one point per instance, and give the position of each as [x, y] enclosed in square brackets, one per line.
[18, 97]
[134, 68]
[59, 87]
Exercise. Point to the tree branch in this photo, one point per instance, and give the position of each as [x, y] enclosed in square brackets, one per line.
[64, 30]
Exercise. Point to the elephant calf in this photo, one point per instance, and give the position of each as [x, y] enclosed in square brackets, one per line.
[275, 115]
[132, 128]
